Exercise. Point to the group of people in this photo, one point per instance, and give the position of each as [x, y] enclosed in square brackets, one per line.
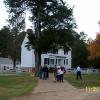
[59, 73]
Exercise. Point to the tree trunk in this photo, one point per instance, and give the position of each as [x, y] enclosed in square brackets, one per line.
[37, 62]
[38, 34]
[16, 47]
[14, 64]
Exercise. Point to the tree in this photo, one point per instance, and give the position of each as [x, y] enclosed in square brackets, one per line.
[11, 47]
[7, 43]
[50, 39]
[4, 38]
[16, 23]
[46, 15]
[79, 51]
[94, 52]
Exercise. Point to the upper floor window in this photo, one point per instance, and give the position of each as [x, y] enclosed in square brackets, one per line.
[54, 51]
[65, 52]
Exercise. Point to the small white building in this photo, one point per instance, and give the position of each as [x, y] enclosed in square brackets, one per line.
[49, 59]
[7, 64]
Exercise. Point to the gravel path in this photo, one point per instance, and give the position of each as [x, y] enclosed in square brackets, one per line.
[49, 90]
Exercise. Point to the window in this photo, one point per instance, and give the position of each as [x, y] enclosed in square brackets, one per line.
[56, 61]
[66, 61]
[51, 61]
[65, 52]
[46, 61]
[55, 51]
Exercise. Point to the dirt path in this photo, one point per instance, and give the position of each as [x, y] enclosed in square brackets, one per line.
[49, 90]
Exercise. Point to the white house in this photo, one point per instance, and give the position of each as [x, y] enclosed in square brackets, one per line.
[49, 59]
[7, 64]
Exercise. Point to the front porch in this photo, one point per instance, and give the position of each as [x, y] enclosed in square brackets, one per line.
[51, 61]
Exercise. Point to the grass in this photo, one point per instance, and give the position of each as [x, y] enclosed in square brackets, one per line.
[16, 85]
[88, 80]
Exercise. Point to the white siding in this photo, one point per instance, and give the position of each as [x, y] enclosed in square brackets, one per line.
[60, 52]
[69, 59]
[27, 57]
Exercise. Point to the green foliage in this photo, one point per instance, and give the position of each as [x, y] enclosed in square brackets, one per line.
[13, 53]
[95, 63]
[16, 21]
[7, 43]
[50, 39]
[4, 41]
[16, 12]
[79, 52]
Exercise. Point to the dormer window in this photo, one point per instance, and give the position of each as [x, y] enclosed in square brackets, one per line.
[54, 51]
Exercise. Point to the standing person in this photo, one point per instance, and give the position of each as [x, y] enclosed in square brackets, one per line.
[45, 72]
[55, 73]
[62, 73]
[59, 72]
[78, 73]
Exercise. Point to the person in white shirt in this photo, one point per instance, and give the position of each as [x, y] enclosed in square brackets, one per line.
[78, 73]
[62, 73]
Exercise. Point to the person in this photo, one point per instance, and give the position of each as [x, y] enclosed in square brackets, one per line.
[62, 73]
[78, 73]
[59, 72]
[45, 72]
[55, 73]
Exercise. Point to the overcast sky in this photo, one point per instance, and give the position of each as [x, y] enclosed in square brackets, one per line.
[86, 13]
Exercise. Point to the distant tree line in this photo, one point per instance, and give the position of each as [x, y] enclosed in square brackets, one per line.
[7, 45]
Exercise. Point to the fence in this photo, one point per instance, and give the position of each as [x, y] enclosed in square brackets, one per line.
[15, 71]
[84, 70]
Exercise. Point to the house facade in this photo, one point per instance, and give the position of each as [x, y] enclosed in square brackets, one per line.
[50, 59]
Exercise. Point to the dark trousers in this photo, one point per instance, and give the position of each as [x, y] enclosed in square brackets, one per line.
[45, 75]
[61, 77]
[58, 78]
[79, 75]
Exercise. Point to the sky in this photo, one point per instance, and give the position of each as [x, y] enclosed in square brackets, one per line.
[86, 14]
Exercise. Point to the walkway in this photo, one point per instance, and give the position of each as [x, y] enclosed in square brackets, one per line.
[49, 90]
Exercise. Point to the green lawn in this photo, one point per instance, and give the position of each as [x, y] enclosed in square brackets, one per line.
[17, 85]
[88, 80]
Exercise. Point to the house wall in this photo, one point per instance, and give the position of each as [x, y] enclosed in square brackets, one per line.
[60, 54]
[27, 57]
[69, 56]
